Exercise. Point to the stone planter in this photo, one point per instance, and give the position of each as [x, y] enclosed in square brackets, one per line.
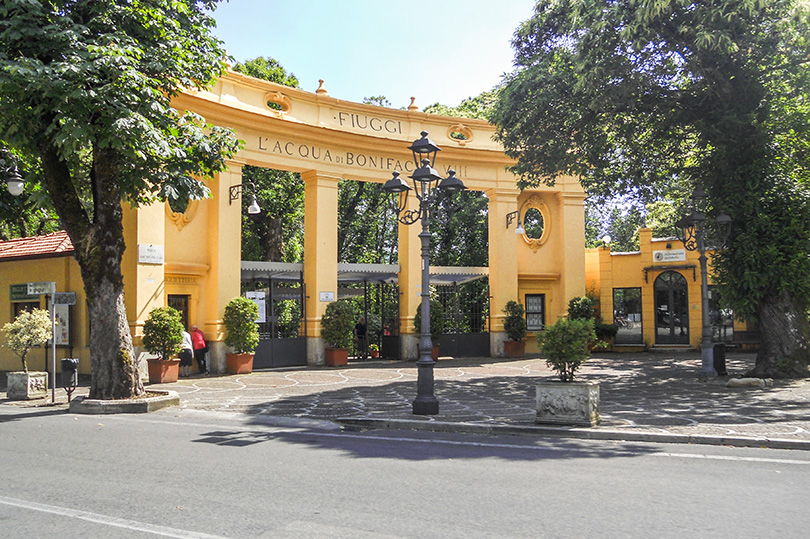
[572, 403]
[239, 363]
[27, 385]
[514, 348]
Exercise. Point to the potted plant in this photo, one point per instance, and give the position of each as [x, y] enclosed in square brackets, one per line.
[337, 324]
[436, 325]
[515, 326]
[29, 329]
[374, 350]
[163, 337]
[565, 345]
[605, 334]
[243, 334]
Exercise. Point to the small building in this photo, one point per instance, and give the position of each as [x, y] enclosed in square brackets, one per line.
[653, 295]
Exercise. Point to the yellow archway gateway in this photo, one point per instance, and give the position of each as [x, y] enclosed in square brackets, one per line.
[195, 257]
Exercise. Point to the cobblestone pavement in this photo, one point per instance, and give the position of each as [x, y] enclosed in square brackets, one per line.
[657, 393]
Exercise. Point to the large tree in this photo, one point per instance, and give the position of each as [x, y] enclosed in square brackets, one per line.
[85, 87]
[656, 95]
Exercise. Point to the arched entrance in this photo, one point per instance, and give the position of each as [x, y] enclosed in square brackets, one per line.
[671, 309]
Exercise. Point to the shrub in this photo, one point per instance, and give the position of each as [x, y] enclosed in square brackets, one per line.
[515, 322]
[240, 321]
[29, 329]
[337, 324]
[565, 344]
[580, 308]
[163, 332]
[604, 331]
[436, 321]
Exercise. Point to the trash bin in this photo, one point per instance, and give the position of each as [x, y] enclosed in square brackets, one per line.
[720, 358]
[70, 372]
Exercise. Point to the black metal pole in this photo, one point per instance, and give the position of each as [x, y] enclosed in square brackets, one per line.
[706, 345]
[425, 402]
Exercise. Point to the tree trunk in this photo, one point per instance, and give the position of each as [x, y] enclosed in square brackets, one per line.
[785, 331]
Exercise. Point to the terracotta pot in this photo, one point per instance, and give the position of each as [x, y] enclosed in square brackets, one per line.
[375, 353]
[434, 353]
[336, 357]
[514, 348]
[163, 372]
[239, 363]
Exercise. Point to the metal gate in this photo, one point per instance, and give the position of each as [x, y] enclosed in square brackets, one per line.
[466, 318]
[282, 337]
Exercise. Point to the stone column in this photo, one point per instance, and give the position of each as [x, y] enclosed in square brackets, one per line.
[572, 220]
[503, 265]
[320, 255]
[224, 236]
[410, 283]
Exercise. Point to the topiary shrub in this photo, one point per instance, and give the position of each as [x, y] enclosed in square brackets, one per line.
[515, 322]
[337, 324]
[565, 345]
[580, 308]
[605, 332]
[163, 332]
[240, 321]
[436, 321]
[29, 329]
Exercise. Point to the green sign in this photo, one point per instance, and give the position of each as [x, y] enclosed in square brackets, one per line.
[19, 292]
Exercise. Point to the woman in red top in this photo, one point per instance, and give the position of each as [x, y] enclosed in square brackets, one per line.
[200, 348]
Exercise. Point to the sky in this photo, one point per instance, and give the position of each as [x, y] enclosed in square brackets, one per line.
[444, 52]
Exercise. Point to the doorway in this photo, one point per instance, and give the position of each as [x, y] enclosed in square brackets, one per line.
[180, 302]
[671, 309]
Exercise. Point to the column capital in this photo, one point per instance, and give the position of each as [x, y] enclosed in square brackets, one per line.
[322, 179]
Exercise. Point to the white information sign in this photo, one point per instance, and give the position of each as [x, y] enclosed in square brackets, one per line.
[150, 254]
[259, 299]
[670, 255]
[327, 296]
[37, 289]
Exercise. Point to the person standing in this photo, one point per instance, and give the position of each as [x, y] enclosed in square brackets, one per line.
[360, 337]
[200, 348]
[185, 354]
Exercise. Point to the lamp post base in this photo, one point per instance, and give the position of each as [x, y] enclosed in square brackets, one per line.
[425, 406]
[707, 361]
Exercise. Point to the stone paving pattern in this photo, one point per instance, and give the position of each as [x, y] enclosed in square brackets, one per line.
[646, 393]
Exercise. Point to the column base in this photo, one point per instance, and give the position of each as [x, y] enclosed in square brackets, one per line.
[425, 406]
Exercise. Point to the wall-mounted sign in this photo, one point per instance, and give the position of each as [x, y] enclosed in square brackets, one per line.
[259, 299]
[64, 298]
[36, 289]
[19, 292]
[326, 296]
[670, 255]
[150, 254]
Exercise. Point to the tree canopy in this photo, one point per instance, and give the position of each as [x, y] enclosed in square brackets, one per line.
[85, 89]
[664, 96]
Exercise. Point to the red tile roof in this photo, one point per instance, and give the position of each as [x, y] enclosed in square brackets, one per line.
[55, 244]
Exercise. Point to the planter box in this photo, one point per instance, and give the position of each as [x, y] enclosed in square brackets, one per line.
[514, 348]
[239, 363]
[572, 403]
[27, 385]
[163, 372]
[336, 357]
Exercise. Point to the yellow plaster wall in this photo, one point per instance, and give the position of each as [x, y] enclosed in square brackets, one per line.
[64, 271]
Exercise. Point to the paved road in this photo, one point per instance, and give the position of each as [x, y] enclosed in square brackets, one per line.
[198, 473]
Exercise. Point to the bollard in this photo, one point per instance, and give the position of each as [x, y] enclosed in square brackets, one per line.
[70, 374]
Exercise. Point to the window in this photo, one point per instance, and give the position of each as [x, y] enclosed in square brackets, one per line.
[627, 315]
[535, 311]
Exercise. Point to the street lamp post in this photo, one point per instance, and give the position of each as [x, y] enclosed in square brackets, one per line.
[693, 235]
[426, 184]
[14, 182]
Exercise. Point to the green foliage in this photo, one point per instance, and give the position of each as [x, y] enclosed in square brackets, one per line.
[580, 308]
[605, 332]
[436, 321]
[653, 99]
[163, 332]
[268, 69]
[565, 345]
[378, 100]
[337, 324]
[240, 321]
[480, 106]
[367, 227]
[460, 238]
[614, 219]
[515, 322]
[29, 329]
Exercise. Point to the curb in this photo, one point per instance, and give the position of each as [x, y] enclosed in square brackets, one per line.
[163, 399]
[575, 432]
